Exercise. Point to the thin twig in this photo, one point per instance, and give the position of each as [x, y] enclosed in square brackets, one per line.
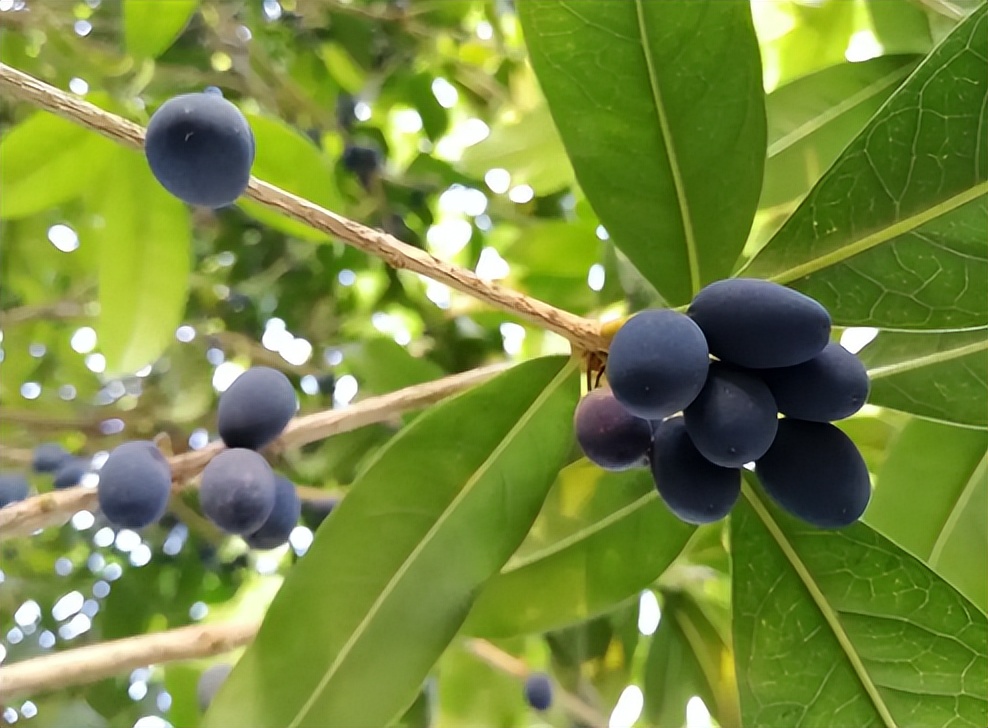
[95, 662]
[501, 660]
[582, 332]
[57, 507]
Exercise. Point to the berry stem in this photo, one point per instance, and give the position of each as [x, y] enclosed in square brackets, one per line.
[583, 333]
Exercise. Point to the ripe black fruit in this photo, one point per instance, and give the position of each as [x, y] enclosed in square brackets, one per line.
[694, 489]
[657, 363]
[609, 435]
[210, 681]
[538, 690]
[734, 418]
[831, 386]
[284, 517]
[134, 485]
[237, 491]
[759, 324]
[70, 473]
[255, 408]
[49, 457]
[815, 472]
[200, 148]
[13, 487]
[362, 161]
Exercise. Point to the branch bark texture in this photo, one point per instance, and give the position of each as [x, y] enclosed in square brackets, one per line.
[582, 332]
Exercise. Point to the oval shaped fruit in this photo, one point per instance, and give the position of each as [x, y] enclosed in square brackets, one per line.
[210, 681]
[538, 690]
[831, 386]
[657, 363]
[134, 485]
[760, 324]
[254, 410]
[71, 473]
[694, 489]
[283, 519]
[608, 434]
[734, 418]
[200, 148]
[237, 491]
[815, 472]
[13, 488]
[49, 457]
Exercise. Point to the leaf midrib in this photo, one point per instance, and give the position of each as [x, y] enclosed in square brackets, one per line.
[581, 534]
[824, 606]
[883, 235]
[833, 112]
[677, 179]
[979, 473]
[919, 362]
[392, 584]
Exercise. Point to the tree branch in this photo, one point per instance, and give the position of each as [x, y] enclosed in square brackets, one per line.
[95, 662]
[501, 660]
[57, 507]
[84, 665]
[582, 332]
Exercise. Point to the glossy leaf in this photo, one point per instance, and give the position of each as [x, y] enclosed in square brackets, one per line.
[600, 539]
[812, 119]
[45, 161]
[931, 498]
[289, 160]
[390, 577]
[893, 234]
[670, 150]
[144, 264]
[937, 376]
[151, 26]
[863, 633]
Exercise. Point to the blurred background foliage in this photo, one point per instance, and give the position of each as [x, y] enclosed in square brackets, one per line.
[124, 313]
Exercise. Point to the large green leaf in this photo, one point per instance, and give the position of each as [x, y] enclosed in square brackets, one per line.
[601, 538]
[937, 376]
[893, 235]
[932, 499]
[144, 263]
[289, 160]
[812, 119]
[151, 26]
[391, 576]
[843, 628]
[661, 109]
[45, 161]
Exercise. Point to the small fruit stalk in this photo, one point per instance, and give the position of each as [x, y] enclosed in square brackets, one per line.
[745, 353]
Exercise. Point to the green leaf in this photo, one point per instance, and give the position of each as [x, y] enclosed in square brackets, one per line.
[842, 628]
[687, 658]
[812, 119]
[144, 263]
[390, 578]
[938, 376]
[669, 145]
[289, 160]
[600, 539]
[151, 26]
[45, 161]
[893, 235]
[529, 148]
[932, 499]
[382, 366]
